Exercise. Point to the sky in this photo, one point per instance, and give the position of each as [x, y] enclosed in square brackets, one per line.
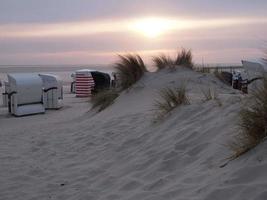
[71, 32]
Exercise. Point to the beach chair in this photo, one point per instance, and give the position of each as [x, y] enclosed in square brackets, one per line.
[102, 81]
[255, 70]
[25, 94]
[52, 91]
[84, 83]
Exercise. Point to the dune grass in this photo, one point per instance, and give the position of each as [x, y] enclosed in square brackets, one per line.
[252, 123]
[162, 62]
[170, 98]
[103, 99]
[184, 58]
[209, 94]
[129, 69]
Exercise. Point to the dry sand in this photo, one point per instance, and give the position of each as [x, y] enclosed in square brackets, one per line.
[74, 154]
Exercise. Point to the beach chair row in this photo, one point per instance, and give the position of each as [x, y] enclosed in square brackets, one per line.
[31, 93]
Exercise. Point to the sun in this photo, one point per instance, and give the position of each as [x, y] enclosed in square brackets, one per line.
[152, 27]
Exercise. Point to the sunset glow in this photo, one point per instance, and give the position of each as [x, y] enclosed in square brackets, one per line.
[40, 31]
[153, 27]
[149, 27]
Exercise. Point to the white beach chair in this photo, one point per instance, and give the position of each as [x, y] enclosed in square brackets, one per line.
[52, 91]
[255, 70]
[25, 94]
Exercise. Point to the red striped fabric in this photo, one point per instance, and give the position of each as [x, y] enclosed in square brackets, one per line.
[84, 85]
[85, 82]
[83, 91]
[84, 78]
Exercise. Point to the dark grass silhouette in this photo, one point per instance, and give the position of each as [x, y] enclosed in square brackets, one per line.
[162, 62]
[129, 69]
[184, 58]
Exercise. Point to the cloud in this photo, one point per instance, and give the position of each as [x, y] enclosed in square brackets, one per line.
[124, 25]
[50, 11]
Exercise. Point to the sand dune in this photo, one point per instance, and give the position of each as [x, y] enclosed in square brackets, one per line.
[120, 154]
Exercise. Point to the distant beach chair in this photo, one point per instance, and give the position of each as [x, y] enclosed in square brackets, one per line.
[102, 81]
[87, 82]
[255, 70]
[84, 83]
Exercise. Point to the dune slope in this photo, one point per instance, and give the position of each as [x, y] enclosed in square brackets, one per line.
[121, 154]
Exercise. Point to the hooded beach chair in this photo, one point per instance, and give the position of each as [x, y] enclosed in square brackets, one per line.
[52, 91]
[25, 94]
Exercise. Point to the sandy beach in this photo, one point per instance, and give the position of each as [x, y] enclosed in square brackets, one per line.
[182, 116]
[77, 154]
